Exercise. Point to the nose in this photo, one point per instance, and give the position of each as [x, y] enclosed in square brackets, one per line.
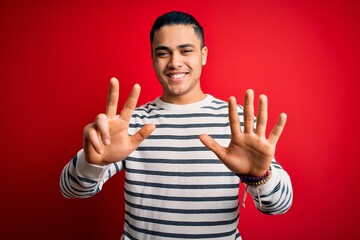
[175, 61]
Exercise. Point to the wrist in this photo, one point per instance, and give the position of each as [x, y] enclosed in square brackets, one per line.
[255, 181]
[88, 170]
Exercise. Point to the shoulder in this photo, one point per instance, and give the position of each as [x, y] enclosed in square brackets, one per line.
[147, 107]
[217, 104]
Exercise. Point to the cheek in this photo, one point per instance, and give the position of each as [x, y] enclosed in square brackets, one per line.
[196, 64]
[160, 65]
[157, 67]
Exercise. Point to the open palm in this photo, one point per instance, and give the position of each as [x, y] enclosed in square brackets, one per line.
[249, 152]
[107, 139]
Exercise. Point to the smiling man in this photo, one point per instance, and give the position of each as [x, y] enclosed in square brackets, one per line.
[178, 62]
[180, 180]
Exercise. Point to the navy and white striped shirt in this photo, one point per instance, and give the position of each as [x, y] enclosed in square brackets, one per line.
[175, 188]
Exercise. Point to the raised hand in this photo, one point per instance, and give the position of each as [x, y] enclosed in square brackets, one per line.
[107, 139]
[249, 151]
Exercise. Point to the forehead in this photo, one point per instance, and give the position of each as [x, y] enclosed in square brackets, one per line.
[175, 35]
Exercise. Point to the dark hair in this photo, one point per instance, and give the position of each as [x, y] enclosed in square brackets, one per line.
[177, 18]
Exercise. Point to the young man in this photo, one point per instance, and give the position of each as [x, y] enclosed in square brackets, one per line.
[181, 183]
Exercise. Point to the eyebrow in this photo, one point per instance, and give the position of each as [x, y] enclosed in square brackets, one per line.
[185, 45]
[162, 48]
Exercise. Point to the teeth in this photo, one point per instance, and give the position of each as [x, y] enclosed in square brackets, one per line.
[176, 76]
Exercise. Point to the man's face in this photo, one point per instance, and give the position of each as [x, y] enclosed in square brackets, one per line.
[178, 59]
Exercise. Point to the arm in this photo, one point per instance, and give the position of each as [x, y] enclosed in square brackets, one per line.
[80, 179]
[275, 196]
[250, 153]
[106, 142]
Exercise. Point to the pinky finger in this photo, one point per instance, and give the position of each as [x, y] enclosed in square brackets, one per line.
[278, 128]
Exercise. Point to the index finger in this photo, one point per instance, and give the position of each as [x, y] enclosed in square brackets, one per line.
[130, 103]
[113, 98]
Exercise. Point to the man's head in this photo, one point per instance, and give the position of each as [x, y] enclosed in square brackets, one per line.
[178, 54]
[177, 18]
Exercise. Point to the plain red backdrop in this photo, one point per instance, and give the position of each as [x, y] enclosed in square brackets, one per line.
[56, 59]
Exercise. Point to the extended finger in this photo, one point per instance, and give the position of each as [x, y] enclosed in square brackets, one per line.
[130, 103]
[113, 98]
[142, 134]
[262, 116]
[249, 111]
[277, 130]
[102, 125]
[211, 144]
[234, 117]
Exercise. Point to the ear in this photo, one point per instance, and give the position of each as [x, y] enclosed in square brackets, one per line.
[204, 53]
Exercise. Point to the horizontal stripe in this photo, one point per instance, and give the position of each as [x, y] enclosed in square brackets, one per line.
[69, 190]
[194, 125]
[181, 223]
[181, 186]
[87, 180]
[182, 211]
[181, 174]
[177, 116]
[150, 104]
[148, 110]
[182, 199]
[173, 149]
[79, 189]
[174, 161]
[180, 235]
[188, 137]
[215, 108]
[90, 183]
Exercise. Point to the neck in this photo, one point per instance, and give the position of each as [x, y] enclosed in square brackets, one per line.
[186, 98]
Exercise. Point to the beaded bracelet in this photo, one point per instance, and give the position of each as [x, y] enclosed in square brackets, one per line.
[256, 181]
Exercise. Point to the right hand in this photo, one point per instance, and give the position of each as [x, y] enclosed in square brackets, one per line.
[107, 139]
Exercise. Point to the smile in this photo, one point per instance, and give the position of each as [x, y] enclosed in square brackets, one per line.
[177, 76]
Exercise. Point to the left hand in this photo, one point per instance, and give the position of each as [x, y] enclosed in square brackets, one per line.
[249, 152]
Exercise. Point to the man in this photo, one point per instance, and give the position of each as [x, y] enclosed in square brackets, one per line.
[181, 183]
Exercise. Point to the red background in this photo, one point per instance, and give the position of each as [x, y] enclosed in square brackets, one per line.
[56, 60]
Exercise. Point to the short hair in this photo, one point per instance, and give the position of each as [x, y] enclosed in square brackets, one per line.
[177, 18]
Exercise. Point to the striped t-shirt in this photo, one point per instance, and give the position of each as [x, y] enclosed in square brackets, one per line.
[175, 188]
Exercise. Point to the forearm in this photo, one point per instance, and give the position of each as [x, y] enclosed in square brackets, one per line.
[79, 179]
[275, 196]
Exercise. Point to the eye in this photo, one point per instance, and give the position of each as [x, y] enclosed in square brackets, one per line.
[186, 51]
[161, 54]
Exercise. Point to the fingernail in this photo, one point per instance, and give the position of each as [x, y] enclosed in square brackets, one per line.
[107, 141]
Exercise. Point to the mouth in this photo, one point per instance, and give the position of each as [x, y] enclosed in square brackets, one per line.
[176, 76]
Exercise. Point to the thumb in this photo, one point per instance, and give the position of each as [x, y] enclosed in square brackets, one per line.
[211, 144]
[142, 134]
